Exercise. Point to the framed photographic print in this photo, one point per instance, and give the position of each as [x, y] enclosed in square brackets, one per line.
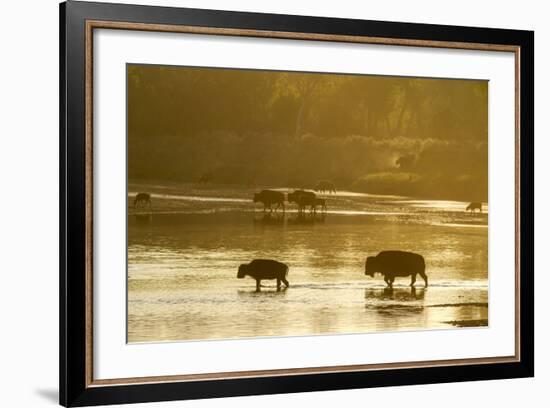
[256, 203]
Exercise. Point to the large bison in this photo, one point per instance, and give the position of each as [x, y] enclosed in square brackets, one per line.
[264, 269]
[474, 206]
[270, 197]
[325, 186]
[396, 263]
[303, 199]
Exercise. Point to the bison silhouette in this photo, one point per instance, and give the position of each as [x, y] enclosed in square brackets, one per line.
[320, 202]
[270, 197]
[303, 199]
[142, 199]
[474, 206]
[325, 186]
[260, 269]
[396, 263]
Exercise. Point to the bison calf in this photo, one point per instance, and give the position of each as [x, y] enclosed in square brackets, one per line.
[264, 269]
[320, 202]
[396, 263]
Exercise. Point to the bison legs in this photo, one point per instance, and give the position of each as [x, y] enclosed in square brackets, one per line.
[279, 283]
[413, 279]
[425, 277]
[389, 280]
[258, 281]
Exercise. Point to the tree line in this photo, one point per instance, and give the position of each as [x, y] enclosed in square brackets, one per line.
[391, 135]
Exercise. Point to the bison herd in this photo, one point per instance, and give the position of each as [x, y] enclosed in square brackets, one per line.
[305, 200]
[390, 264]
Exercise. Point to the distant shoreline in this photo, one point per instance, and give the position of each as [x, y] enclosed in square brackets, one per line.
[171, 184]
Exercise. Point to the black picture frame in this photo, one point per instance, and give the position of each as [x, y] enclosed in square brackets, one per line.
[75, 389]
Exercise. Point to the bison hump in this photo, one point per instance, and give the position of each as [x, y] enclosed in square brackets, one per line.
[398, 254]
[265, 262]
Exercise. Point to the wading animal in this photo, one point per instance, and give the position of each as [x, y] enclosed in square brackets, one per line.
[270, 197]
[303, 199]
[474, 206]
[264, 269]
[325, 186]
[320, 202]
[142, 199]
[396, 263]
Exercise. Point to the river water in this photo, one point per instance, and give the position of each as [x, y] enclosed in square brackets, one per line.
[184, 254]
